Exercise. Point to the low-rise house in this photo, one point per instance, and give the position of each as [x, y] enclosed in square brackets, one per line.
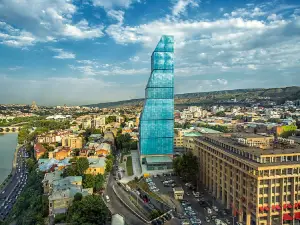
[103, 149]
[62, 152]
[60, 200]
[39, 150]
[97, 165]
[47, 164]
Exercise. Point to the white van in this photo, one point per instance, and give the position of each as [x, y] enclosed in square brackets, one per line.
[107, 198]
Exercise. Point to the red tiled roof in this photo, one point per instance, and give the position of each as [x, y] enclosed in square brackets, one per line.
[39, 148]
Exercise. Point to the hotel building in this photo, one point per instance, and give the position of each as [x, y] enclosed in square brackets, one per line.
[255, 176]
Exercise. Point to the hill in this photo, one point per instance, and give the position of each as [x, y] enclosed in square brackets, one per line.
[244, 96]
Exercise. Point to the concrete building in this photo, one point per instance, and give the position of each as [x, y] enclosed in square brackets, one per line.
[259, 185]
[72, 141]
[178, 193]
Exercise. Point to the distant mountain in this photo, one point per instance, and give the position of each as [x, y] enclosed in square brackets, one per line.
[279, 95]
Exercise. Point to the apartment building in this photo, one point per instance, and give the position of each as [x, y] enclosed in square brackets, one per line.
[260, 185]
[72, 141]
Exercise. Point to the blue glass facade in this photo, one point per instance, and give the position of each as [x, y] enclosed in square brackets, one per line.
[157, 117]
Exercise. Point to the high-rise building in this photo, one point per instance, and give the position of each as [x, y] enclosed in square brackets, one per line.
[255, 176]
[157, 120]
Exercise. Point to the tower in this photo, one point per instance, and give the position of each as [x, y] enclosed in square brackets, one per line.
[157, 118]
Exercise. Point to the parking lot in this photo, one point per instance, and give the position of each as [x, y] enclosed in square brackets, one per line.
[196, 207]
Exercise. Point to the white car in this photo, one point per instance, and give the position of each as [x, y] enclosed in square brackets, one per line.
[215, 208]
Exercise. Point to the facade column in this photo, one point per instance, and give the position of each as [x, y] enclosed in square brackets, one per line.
[269, 217]
[228, 187]
[223, 182]
[218, 178]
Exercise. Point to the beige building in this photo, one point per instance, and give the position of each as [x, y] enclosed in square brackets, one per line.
[260, 184]
[72, 141]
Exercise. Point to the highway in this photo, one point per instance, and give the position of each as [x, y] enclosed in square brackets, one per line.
[12, 190]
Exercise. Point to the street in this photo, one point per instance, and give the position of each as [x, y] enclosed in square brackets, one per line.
[12, 190]
[116, 206]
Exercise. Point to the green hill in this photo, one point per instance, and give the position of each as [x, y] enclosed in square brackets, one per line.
[278, 95]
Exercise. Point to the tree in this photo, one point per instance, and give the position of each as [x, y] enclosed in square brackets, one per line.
[70, 171]
[110, 119]
[90, 210]
[221, 114]
[30, 164]
[99, 182]
[186, 166]
[109, 165]
[77, 197]
[82, 165]
[88, 181]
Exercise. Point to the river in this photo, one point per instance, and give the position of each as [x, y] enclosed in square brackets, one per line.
[8, 144]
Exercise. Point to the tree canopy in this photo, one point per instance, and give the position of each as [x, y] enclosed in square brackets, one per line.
[90, 210]
[186, 166]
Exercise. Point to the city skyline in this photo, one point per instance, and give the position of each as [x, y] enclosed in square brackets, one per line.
[82, 52]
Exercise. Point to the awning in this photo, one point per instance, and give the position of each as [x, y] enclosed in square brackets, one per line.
[296, 205]
[267, 208]
[284, 206]
[290, 206]
[261, 208]
[278, 207]
[287, 217]
[297, 216]
[273, 207]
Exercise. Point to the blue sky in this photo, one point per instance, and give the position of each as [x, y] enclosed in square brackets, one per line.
[89, 51]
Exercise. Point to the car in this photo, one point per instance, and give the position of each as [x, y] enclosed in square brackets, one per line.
[188, 184]
[207, 219]
[208, 210]
[215, 208]
[227, 221]
[187, 193]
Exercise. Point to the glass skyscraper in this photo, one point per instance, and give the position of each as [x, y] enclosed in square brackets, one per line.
[157, 119]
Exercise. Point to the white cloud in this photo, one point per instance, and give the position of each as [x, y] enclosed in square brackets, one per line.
[92, 69]
[61, 54]
[15, 68]
[244, 12]
[222, 81]
[134, 59]
[273, 17]
[76, 91]
[108, 4]
[181, 6]
[252, 67]
[116, 14]
[30, 21]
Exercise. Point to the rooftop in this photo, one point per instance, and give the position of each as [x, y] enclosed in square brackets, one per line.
[253, 154]
[205, 130]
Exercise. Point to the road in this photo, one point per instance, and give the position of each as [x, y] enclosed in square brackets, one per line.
[12, 190]
[116, 206]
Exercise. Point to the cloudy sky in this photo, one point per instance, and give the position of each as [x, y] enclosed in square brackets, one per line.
[90, 51]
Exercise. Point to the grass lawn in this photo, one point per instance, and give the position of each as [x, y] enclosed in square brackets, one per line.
[129, 166]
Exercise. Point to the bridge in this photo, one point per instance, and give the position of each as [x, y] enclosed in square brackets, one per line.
[12, 129]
